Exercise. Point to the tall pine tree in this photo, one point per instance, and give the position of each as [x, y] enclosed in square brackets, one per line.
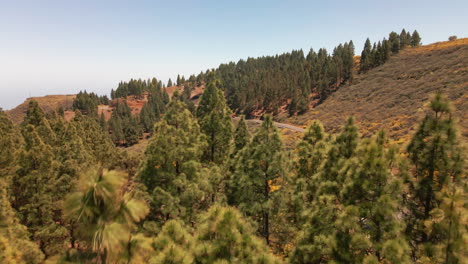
[258, 178]
[215, 122]
[438, 165]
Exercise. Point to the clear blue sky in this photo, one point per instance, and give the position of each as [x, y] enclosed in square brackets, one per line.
[62, 47]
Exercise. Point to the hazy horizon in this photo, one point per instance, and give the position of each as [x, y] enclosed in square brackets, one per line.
[53, 47]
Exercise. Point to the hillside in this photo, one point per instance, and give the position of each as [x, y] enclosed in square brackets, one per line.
[392, 96]
[47, 103]
[52, 102]
[389, 97]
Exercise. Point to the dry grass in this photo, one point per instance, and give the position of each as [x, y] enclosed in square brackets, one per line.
[47, 103]
[392, 96]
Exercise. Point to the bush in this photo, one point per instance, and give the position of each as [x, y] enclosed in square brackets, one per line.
[452, 38]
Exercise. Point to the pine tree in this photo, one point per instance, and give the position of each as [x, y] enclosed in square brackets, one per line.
[178, 80]
[438, 163]
[224, 236]
[394, 41]
[105, 215]
[169, 83]
[372, 193]
[328, 226]
[385, 50]
[415, 39]
[34, 114]
[87, 103]
[365, 56]
[258, 178]
[35, 193]
[72, 156]
[171, 170]
[125, 129]
[98, 144]
[311, 153]
[403, 40]
[241, 135]
[15, 246]
[215, 122]
[10, 143]
[450, 220]
[116, 129]
[173, 245]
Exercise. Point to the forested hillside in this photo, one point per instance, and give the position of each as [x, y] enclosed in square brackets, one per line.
[47, 103]
[211, 187]
[392, 96]
[206, 191]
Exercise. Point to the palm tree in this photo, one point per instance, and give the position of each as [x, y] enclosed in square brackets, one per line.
[104, 212]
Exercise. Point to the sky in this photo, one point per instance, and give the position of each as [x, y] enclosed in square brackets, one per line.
[62, 47]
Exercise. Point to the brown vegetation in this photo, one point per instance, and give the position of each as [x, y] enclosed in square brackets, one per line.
[48, 103]
[392, 96]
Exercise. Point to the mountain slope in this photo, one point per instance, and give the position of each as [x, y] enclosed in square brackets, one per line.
[48, 103]
[392, 96]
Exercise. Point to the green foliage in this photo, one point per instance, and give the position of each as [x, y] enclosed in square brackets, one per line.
[34, 114]
[375, 193]
[10, 142]
[171, 170]
[267, 83]
[311, 154]
[15, 246]
[173, 245]
[255, 186]
[241, 136]
[224, 236]
[394, 40]
[36, 194]
[360, 221]
[378, 54]
[438, 163]
[151, 112]
[124, 128]
[365, 55]
[415, 39]
[136, 88]
[87, 103]
[328, 224]
[404, 41]
[103, 214]
[45, 167]
[215, 122]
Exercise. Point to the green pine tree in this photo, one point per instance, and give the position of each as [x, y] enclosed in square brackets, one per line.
[15, 245]
[365, 56]
[241, 135]
[415, 39]
[328, 225]
[105, 213]
[403, 40]
[173, 245]
[311, 154]
[438, 165]
[215, 122]
[171, 170]
[374, 194]
[224, 236]
[36, 194]
[10, 142]
[394, 40]
[258, 178]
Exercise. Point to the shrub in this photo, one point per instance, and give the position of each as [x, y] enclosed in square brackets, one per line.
[452, 38]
